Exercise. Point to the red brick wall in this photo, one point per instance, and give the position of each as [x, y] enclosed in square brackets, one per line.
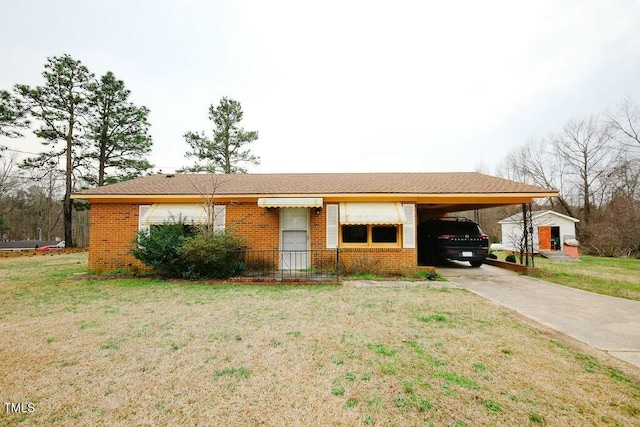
[112, 227]
[392, 261]
[258, 226]
[317, 229]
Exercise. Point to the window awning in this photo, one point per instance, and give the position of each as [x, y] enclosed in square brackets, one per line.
[167, 212]
[290, 202]
[372, 213]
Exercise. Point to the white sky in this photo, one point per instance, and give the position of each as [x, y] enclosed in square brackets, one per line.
[343, 86]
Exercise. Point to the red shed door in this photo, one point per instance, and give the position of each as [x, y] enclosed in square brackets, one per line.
[544, 237]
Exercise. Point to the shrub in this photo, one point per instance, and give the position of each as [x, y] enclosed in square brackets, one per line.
[511, 258]
[176, 249]
[361, 264]
[212, 254]
[491, 255]
[158, 248]
[614, 231]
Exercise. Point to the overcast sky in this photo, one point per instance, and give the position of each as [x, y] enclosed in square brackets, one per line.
[343, 86]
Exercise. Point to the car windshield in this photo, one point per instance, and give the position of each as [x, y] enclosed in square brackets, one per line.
[459, 228]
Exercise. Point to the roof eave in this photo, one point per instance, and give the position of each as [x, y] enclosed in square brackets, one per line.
[513, 197]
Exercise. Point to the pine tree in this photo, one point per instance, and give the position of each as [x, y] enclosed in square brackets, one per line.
[13, 115]
[60, 106]
[119, 131]
[226, 150]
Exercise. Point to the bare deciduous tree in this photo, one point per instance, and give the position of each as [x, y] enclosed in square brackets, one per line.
[625, 122]
[589, 157]
[537, 163]
[625, 178]
[208, 195]
[8, 180]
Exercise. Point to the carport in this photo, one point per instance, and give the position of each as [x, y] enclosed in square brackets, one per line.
[489, 196]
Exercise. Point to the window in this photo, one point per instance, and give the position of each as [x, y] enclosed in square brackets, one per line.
[369, 235]
[354, 234]
[193, 213]
[384, 234]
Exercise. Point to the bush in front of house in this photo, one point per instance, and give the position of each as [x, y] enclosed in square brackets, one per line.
[511, 258]
[158, 248]
[212, 254]
[178, 250]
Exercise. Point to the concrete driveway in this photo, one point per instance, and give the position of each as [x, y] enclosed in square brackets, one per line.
[607, 323]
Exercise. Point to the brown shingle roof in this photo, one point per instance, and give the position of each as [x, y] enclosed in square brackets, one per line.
[316, 183]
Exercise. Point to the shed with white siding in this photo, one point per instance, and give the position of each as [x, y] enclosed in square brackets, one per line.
[551, 230]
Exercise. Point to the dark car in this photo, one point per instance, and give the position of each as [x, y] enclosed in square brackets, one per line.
[452, 238]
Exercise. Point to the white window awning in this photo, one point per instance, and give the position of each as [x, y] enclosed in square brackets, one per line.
[290, 202]
[167, 212]
[372, 213]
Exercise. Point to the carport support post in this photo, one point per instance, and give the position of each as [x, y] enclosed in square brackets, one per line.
[531, 234]
[527, 229]
[525, 232]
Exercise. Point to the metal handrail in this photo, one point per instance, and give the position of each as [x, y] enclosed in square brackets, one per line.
[312, 264]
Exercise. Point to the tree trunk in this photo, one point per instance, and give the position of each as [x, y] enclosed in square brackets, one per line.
[587, 199]
[101, 160]
[104, 139]
[67, 205]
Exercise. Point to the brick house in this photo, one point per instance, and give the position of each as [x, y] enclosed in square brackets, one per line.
[365, 215]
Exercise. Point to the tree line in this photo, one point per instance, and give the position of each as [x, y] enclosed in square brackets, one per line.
[594, 163]
[92, 135]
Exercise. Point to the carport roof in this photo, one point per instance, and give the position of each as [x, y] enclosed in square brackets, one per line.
[320, 184]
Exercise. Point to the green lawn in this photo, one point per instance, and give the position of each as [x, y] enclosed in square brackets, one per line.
[618, 277]
[89, 351]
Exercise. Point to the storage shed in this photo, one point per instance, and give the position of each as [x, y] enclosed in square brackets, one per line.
[551, 230]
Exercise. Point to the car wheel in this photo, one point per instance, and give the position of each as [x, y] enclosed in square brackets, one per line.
[476, 263]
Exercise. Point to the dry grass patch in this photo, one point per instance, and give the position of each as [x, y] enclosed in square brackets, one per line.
[95, 352]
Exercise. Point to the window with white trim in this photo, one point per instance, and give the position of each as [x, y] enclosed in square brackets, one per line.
[190, 213]
[369, 235]
[370, 224]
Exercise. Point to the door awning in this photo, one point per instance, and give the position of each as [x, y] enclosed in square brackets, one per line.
[290, 202]
[372, 213]
[168, 212]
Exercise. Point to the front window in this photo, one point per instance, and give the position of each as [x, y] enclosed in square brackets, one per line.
[369, 235]
[384, 234]
[354, 234]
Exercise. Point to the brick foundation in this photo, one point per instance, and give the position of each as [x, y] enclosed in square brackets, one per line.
[386, 261]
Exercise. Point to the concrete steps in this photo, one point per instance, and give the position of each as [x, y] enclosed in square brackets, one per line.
[557, 255]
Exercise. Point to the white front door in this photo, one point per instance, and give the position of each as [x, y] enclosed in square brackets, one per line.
[294, 226]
